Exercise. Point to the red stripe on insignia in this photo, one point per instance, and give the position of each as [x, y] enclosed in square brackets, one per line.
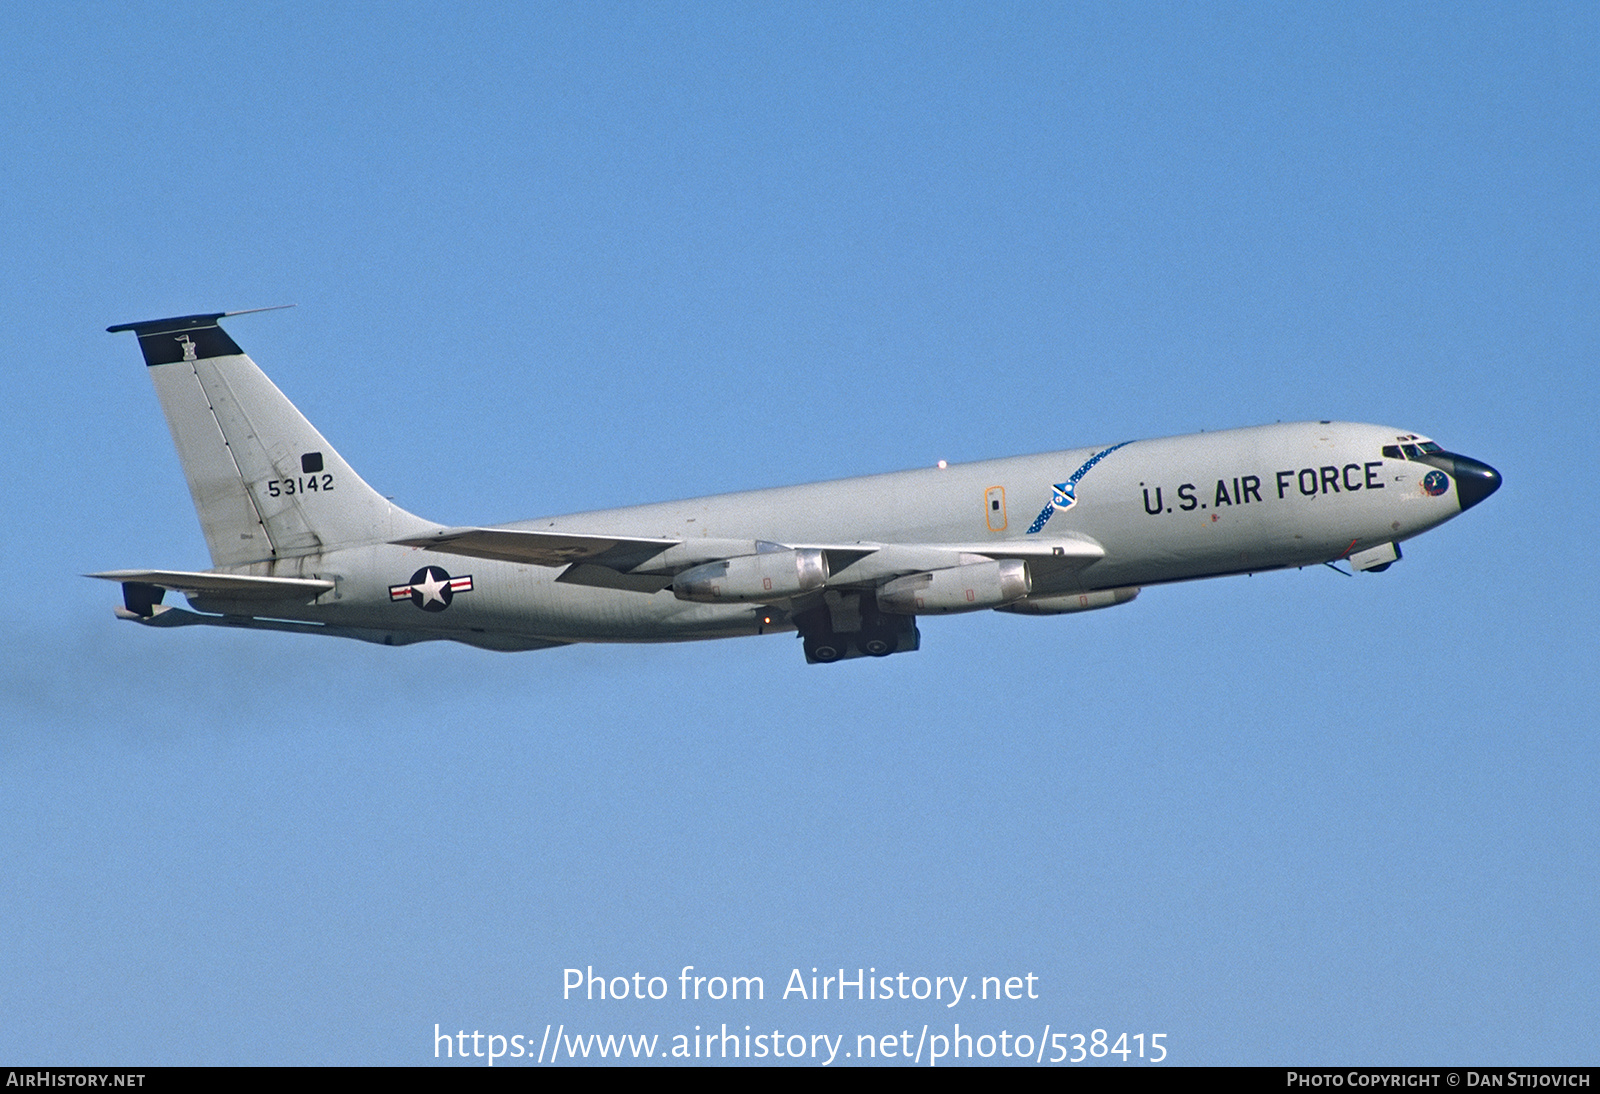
[461, 584]
[399, 592]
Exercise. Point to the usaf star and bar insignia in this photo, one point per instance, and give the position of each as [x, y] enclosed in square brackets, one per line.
[431, 589]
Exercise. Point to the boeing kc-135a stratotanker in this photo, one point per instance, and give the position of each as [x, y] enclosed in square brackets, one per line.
[300, 543]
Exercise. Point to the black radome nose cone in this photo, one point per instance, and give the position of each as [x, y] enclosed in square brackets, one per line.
[1475, 481]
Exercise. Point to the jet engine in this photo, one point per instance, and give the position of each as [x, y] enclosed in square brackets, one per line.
[968, 588]
[761, 577]
[1071, 602]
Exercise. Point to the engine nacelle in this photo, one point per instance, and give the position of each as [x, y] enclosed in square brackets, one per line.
[1071, 602]
[969, 588]
[768, 575]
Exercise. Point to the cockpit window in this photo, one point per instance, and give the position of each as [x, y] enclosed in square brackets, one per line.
[1410, 451]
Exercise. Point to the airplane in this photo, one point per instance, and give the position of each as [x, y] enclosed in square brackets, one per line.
[299, 542]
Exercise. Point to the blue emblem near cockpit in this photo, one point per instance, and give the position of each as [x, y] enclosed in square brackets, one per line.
[1435, 483]
[1065, 494]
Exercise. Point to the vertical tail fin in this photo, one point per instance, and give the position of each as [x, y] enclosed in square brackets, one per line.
[266, 484]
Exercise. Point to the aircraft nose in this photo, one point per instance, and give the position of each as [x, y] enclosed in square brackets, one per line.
[1475, 480]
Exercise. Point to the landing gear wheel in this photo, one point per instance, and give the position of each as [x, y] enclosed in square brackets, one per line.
[877, 642]
[824, 647]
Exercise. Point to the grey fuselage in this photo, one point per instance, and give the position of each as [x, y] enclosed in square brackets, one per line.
[1173, 509]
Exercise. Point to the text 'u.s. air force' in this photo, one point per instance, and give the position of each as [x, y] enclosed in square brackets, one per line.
[1304, 482]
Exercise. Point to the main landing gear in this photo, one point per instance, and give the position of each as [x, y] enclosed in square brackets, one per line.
[847, 625]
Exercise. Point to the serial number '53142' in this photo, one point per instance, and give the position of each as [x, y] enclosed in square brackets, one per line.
[304, 484]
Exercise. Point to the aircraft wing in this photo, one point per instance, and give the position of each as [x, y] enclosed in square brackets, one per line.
[1070, 551]
[620, 553]
[616, 562]
[233, 586]
[585, 553]
[1049, 560]
[647, 564]
[892, 560]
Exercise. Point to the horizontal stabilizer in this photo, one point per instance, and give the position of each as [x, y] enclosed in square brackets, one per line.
[163, 616]
[542, 548]
[233, 586]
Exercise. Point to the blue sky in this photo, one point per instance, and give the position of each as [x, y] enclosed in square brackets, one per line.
[552, 258]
